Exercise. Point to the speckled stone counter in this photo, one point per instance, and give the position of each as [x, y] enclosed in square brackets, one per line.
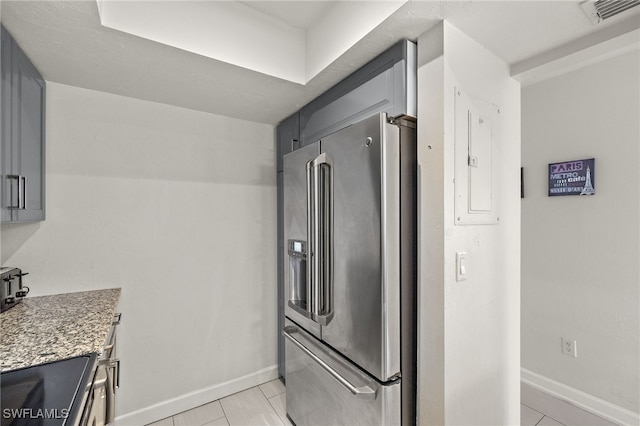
[52, 328]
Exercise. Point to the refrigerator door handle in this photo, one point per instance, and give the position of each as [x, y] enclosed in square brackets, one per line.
[362, 392]
[320, 236]
[311, 241]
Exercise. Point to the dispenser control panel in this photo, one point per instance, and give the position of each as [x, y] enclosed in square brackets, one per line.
[297, 248]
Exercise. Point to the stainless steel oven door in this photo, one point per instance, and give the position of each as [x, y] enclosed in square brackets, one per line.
[111, 366]
[96, 408]
[100, 408]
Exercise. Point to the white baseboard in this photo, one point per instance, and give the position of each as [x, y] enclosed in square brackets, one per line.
[194, 399]
[581, 399]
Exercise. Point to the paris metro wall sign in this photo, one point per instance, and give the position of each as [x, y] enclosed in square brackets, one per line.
[572, 178]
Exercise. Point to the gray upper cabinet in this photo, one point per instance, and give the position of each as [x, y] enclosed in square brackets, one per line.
[23, 136]
[287, 139]
[288, 135]
[387, 84]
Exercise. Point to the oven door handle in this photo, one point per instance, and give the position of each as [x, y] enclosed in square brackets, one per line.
[112, 383]
[98, 413]
[113, 364]
[117, 318]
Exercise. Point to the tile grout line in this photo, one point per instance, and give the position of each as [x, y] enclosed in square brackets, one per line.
[522, 403]
[283, 386]
[261, 391]
[223, 412]
[272, 406]
[549, 417]
[264, 395]
[542, 414]
[285, 420]
[533, 409]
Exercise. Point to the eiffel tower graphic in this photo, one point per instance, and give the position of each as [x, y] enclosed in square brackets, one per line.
[588, 187]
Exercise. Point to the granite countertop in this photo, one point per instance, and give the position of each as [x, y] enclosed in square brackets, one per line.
[52, 328]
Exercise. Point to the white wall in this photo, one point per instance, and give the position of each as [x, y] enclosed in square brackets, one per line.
[469, 353]
[580, 255]
[177, 207]
[1, 97]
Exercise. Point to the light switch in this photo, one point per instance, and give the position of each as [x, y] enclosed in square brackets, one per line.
[461, 266]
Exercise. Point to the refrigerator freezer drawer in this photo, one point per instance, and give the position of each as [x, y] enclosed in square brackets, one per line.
[325, 389]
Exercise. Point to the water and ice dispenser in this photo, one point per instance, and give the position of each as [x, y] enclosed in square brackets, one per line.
[298, 274]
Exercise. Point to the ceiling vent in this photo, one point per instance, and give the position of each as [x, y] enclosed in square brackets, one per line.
[601, 10]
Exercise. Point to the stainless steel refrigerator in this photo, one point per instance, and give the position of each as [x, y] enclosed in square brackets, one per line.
[350, 276]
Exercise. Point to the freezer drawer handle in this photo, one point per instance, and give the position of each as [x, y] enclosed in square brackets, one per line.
[362, 392]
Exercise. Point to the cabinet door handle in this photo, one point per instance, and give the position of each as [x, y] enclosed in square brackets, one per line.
[23, 191]
[18, 180]
[117, 372]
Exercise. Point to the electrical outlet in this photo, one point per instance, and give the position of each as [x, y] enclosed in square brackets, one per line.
[569, 347]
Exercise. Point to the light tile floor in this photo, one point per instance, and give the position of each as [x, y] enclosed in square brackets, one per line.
[260, 405]
[264, 405]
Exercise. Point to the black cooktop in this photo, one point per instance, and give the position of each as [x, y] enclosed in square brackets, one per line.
[45, 395]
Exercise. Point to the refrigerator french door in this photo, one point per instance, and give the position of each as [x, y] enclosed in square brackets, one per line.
[350, 276]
